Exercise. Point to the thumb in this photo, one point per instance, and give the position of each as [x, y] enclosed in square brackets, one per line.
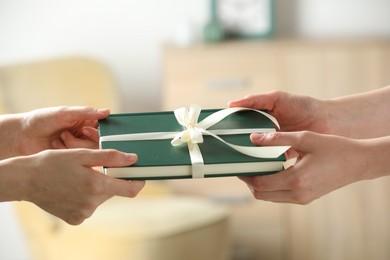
[264, 101]
[82, 113]
[114, 186]
[114, 158]
[106, 157]
[123, 188]
[299, 141]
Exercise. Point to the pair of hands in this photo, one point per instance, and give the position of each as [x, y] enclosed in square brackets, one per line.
[60, 180]
[325, 162]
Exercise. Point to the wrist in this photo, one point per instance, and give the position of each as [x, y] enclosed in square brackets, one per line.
[15, 179]
[10, 135]
[329, 117]
[363, 115]
[344, 117]
[376, 156]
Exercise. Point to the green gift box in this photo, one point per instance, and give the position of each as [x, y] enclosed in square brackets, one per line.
[151, 135]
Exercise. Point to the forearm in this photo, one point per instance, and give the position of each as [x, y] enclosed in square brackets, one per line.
[365, 115]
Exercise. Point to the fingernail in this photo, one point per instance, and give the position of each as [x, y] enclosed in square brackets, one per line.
[103, 110]
[56, 144]
[257, 136]
[131, 157]
[63, 136]
[86, 132]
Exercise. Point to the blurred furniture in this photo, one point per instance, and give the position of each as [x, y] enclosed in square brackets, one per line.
[211, 75]
[351, 223]
[154, 226]
[145, 228]
[63, 81]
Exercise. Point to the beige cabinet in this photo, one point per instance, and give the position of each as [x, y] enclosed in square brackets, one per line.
[211, 75]
[351, 223]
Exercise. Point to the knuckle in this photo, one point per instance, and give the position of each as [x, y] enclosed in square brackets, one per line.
[272, 136]
[257, 195]
[93, 187]
[299, 183]
[62, 112]
[302, 198]
[83, 213]
[250, 96]
[277, 93]
[62, 109]
[136, 188]
[258, 184]
[133, 193]
[303, 136]
[110, 154]
[47, 155]
[74, 220]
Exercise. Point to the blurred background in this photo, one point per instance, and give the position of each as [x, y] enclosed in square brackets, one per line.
[159, 55]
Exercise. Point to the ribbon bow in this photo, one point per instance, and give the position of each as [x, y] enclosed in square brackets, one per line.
[189, 119]
[193, 134]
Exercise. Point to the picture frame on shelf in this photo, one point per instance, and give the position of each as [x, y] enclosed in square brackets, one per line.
[246, 18]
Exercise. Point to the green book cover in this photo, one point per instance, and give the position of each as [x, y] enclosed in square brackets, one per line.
[158, 159]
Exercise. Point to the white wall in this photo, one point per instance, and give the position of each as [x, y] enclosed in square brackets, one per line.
[127, 35]
[343, 18]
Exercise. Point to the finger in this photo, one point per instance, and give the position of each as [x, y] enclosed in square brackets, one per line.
[301, 197]
[57, 144]
[278, 196]
[90, 113]
[274, 182]
[107, 157]
[263, 101]
[290, 153]
[123, 188]
[302, 141]
[70, 141]
[78, 113]
[91, 133]
[111, 158]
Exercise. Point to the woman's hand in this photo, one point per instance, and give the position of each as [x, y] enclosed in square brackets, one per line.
[64, 182]
[59, 128]
[324, 164]
[293, 112]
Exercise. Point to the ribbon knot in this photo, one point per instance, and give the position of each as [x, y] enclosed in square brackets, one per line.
[189, 119]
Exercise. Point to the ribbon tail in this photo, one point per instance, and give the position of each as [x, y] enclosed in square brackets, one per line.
[260, 151]
[196, 160]
[254, 151]
[221, 114]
